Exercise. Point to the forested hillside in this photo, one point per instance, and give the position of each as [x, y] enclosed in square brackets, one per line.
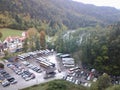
[101, 50]
[55, 14]
[96, 47]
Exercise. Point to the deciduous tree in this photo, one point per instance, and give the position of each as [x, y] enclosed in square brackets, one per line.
[32, 36]
[42, 39]
[1, 65]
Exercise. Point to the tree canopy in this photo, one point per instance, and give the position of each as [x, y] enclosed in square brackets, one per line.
[1, 65]
[101, 50]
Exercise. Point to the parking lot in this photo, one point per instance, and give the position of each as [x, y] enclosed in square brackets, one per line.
[37, 67]
[28, 72]
[76, 74]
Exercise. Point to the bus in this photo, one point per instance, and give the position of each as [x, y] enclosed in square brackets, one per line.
[71, 70]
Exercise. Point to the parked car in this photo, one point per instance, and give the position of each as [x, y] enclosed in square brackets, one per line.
[32, 76]
[6, 75]
[76, 82]
[86, 84]
[1, 79]
[89, 84]
[27, 78]
[25, 63]
[49, 76]
[2, 71]
[68, 77]
[95, 79]
[5, 83]
[12, 80]
[64, 77]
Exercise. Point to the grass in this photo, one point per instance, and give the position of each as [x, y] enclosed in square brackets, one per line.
[56, 85]
[10, 32]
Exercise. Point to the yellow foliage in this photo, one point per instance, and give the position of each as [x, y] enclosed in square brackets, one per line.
[5, 20]
[27, 17]
[31, 32]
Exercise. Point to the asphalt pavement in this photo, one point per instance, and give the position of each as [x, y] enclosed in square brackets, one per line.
[39, 76]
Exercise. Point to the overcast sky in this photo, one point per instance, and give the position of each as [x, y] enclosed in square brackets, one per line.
[112, 3]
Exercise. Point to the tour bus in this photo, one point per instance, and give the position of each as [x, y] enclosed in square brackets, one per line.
[71, 70]
[65, 56]
[43, 64]
[46, 64]
[70, 62]
[68, 65]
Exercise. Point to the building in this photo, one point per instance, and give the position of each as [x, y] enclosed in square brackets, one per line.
[14, 43]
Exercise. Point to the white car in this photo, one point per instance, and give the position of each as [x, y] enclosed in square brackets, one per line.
[76, 82]
[73, 74]
[5, 83]
[25, 63]
[89, 84]
[67, 79]
[95, 79]
[86, 84]
[70, 79]
[27, 78]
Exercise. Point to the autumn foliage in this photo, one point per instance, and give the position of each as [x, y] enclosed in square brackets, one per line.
[42, 39]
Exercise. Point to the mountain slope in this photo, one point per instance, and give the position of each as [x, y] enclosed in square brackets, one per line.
[67, 12]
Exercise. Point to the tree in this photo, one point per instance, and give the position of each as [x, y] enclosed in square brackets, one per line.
[42, 39]
[115, 87]
[114, 49]
[31, 33]
[66, 42]
[56, 86]
[37, 44]
[32, 36]
[103, 82]
[100, 49]
[94, 86]
[1, 35]
[1, 65]
[25, 45]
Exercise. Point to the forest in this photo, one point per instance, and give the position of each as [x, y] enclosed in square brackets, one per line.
[54, 15]
[96, 47]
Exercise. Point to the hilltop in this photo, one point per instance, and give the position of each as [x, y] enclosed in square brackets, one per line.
[22, 14]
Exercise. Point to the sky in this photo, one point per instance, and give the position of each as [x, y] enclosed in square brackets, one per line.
[111, 3]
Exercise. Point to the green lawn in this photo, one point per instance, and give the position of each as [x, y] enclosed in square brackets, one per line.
[10, 32]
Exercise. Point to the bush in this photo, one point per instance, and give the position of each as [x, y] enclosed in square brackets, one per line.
[115, 87]
[56, 86]
[1, 65]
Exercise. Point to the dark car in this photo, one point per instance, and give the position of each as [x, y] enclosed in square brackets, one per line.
[6, 75]
[12, 80]
[3, 71]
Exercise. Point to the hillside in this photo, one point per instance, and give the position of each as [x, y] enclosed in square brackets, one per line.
[65, 85]
[22, 14]
[56, 85]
